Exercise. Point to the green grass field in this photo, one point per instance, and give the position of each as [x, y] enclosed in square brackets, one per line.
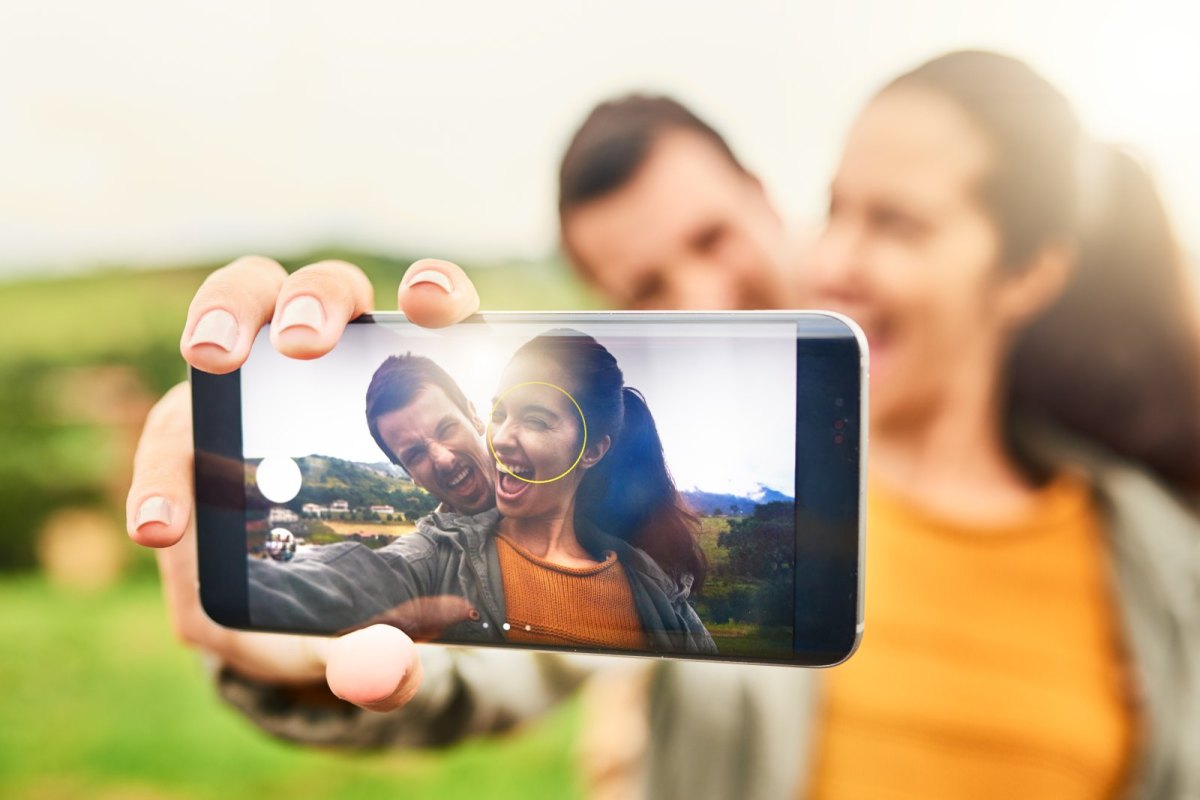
[99, 701]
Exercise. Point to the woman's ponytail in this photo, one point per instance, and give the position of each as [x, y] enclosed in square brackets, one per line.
[1117, 359]
[631, 493]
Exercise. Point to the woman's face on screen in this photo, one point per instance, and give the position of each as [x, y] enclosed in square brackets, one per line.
[536, 436]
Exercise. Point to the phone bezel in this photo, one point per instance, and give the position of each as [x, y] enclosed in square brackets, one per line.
[221, 498]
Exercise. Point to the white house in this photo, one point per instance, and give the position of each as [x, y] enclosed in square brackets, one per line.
[278, 514]
[339, 507]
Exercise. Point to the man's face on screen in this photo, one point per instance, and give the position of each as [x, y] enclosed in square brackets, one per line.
[689, 230]
[440, 447]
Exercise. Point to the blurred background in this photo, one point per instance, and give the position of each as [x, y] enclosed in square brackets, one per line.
[143, 144]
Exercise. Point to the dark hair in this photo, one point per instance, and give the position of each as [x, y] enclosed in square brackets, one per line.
[397, 381]
[630, 493]
[614, 141]
[1117, 358]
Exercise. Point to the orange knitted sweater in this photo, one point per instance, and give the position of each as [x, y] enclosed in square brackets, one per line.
[551, 604]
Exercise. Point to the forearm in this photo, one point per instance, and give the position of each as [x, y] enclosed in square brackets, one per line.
[339, 587]
[464, 692]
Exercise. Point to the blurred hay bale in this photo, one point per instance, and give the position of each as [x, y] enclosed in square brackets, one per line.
[82, 548]
[112, 398]
[111, 395]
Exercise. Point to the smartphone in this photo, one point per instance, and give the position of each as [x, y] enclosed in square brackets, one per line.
[673, 484]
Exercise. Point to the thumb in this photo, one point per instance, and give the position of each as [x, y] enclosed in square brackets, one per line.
[376, 668]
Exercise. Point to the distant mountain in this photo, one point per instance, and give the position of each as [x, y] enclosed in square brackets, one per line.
[390, 470]
[767, 495]
[709, 503]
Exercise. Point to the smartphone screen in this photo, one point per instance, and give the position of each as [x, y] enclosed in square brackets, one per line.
[646, 483]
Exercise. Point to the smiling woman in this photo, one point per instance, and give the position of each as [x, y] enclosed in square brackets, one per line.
[582, 478]
[621, 485]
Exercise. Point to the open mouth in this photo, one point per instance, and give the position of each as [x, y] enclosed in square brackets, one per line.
[512, 480]
[460, 482]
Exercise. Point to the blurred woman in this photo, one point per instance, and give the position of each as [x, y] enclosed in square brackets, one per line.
[1035, 410]
[1033, 546]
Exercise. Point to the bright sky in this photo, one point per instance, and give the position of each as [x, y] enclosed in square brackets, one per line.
[146, 132]
[724, 407]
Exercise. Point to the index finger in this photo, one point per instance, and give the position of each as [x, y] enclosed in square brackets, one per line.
[436, 293]
[227, 311]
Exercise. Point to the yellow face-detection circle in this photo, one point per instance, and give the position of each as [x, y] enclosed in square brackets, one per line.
[488, 432]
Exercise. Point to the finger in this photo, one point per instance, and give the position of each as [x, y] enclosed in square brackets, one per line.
[435, 293]
[159, 505]
[376, 668]
[314, 305]
[227, 312]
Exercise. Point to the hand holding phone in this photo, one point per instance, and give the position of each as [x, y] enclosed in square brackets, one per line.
[377, 667]
[672, 484]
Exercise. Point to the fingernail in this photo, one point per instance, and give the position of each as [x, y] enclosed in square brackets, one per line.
[217, 327]
[432, 276]
[304, 311]
[153, 509]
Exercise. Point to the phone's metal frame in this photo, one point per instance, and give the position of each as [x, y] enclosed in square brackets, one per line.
[219, 601]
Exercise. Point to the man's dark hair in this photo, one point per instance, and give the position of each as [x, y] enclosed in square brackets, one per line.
[396, 383]
[615, 140]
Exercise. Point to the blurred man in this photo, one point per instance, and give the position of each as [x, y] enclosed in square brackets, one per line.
[656, 211]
